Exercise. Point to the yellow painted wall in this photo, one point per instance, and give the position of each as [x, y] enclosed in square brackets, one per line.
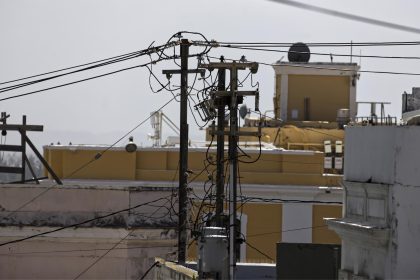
[263, 230]
[161, 165]
[327, 94]
[114, 165]
[264, 223]
[320, 233]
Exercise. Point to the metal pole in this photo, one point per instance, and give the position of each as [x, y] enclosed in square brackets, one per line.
[220, 148]
[23, 143]
[183, 155]
[233, 161]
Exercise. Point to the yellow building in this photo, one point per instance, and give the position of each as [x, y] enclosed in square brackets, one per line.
[315, 91]
[278, 175]
[285, 195]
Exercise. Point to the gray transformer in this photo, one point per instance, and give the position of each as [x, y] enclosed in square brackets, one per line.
[213, 262]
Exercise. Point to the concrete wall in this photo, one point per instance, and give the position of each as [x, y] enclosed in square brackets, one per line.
[138, 235]
[381, 154]
[403, 262]
[380, 229]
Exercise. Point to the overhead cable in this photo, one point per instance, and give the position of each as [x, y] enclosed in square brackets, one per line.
[309, 66]
[321, 54]
[348, 16]
[83, 222]
[82, 80]
[95, 158]
[104, 63]
[320, 44]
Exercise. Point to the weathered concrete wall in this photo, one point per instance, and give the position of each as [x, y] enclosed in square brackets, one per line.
[139, 234]
[370, 153]
[382, 154]
[66, 254]
[80, 201]
[404, 246]
[381, 228]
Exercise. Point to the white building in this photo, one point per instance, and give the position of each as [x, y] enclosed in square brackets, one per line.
[380, 230]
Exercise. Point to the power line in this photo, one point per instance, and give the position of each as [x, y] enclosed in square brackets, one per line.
[147, 51]
[279, 200]
[259, 251]
[348, 16]
[82, 80]
[328, 68]
[287, 230]
[96, 157]
[120, 59]
[319, 44]
[83, 250]
[73, 67]
[321, 54]
[148, 270]
[101, 257]
[83, 222]
[115, 245]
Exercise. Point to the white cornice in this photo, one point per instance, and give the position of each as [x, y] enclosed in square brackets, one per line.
[321, 69]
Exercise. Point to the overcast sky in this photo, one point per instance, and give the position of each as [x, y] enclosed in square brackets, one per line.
[44, 35]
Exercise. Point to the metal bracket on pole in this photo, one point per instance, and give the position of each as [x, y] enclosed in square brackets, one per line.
[22, 129]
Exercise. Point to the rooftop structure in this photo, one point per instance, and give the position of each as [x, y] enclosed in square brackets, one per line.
[380, 227]
[314, 91]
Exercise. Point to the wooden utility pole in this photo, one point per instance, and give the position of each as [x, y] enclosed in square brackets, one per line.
[221, 103]
[183, 149]
[234, 97]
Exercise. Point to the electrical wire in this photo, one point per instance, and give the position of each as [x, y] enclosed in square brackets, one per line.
[83, 222]
[147, 51]
[318, 53]
[79, 81]
[73, 67]
[82, 250]
[287, 230]
[329, 68]
[348, 16]
[95, 158]
[148, 270]
[116, 244]
[279, 200]
[320, 44]
[259, 251]
[101, 257]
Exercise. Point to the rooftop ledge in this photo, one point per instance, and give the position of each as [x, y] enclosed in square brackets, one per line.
[265, 149]
[360, 231]
[315, 63]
